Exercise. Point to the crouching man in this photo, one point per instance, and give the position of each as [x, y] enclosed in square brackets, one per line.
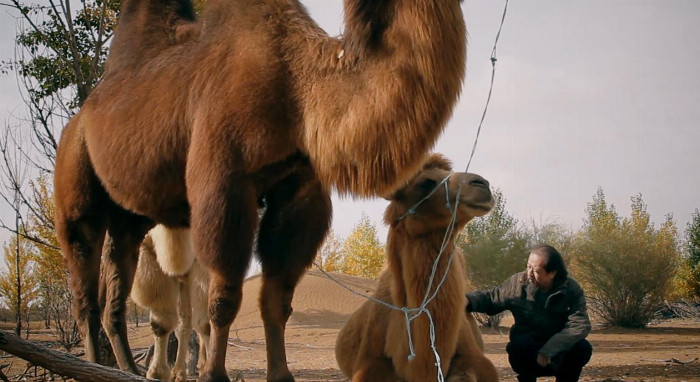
[551, 321]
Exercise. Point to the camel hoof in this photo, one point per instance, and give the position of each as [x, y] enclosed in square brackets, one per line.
[213, 377]
[180, 376]
[285, 377]
[159, 374]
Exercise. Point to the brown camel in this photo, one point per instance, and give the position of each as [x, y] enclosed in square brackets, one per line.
[373, 345]
[173, 286]
[254, 105]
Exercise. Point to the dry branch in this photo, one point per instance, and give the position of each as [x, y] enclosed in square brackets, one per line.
[231, 343]
[63, 364]
[672, 360]
[3, 377]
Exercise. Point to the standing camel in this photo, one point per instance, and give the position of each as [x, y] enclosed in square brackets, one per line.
[257, 105]
[373, 344]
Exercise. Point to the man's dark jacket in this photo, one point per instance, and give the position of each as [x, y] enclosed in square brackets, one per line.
[561, 322]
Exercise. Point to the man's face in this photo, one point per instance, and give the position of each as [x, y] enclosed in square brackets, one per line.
[536, 273]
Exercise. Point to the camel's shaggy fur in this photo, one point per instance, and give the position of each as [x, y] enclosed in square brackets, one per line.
[197, 122]
[174, 287]
[373, 344]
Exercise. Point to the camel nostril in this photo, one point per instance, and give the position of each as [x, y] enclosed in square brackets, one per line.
[479, 182]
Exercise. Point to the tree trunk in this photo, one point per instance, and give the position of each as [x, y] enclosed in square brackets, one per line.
[63, 364]
[18, 327]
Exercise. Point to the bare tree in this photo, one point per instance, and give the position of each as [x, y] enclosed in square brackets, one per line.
[59, 56]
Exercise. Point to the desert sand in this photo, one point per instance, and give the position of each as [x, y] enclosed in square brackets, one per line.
[321, 306]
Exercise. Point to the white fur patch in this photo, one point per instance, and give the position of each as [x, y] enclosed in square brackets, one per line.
[173, 248]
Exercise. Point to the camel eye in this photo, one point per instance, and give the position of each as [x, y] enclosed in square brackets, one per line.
[427, 185]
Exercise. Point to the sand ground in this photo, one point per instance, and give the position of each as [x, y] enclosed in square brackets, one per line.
[321, 307]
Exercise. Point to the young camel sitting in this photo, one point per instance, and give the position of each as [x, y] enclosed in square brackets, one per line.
[170, 283]
[374, 345]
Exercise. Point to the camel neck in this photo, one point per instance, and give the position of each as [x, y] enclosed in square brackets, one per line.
[382, 92]
[416, 274]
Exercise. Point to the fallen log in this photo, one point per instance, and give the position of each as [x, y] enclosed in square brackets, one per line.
[63, 364]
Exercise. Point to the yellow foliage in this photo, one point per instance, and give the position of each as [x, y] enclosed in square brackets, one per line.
[330, 256]
[21, 264]
[364, 255]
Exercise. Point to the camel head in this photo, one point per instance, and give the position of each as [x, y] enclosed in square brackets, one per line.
[426, 203]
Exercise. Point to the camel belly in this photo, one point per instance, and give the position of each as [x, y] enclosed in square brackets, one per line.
[141, 170]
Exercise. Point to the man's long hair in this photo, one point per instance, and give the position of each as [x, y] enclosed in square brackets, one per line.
[554, 262]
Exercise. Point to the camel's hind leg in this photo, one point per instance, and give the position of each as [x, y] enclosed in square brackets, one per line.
[120, 255]
[223, 222]
[291, 231]
[80, 228]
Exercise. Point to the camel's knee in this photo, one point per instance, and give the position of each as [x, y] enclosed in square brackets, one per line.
[224, 300]
[276, 294]
[223, 308]
[162, 323]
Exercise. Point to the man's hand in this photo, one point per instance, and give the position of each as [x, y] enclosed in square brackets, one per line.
[543, 360]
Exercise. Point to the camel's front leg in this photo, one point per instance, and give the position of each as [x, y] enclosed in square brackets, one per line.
[224, 218]
[184, 330]
[294, 225]
[162, 323]
[120, 253]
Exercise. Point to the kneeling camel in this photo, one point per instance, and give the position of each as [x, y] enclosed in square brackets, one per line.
[373, 345]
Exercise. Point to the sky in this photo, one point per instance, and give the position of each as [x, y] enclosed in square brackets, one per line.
[587, 94]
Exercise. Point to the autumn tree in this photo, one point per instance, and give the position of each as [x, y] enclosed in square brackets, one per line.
[687, 283]
[330, 256]
[626, 263]
[18, 287]
[550, 233]
[363, 252]
[55, 298]
[494, 248]
[59, 59]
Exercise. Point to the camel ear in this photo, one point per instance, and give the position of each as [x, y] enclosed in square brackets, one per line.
[436, 160]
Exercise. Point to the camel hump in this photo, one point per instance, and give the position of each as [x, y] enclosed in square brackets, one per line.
[173, 247]
[146, 28]
[171, 10]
